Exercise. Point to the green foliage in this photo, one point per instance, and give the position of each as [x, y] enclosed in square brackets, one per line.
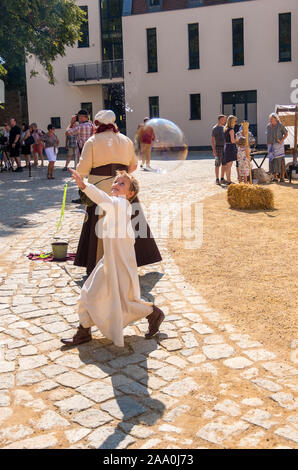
[43, 28]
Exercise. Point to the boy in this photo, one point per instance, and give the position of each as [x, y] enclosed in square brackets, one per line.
[110, 298]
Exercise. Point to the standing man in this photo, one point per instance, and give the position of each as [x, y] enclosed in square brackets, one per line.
[147, 137]
[14, 143]
[83, 130]
[218, 143]
[276, 135]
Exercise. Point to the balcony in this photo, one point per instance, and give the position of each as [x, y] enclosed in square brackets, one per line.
[103, 72]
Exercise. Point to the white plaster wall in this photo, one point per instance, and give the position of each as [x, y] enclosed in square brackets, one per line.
[174, 82]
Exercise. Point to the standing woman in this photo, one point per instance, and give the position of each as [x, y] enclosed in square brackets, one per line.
[276, 135]
[38, 145]
[26, 143]
[230, 150]
[51, 142]
[102, 155]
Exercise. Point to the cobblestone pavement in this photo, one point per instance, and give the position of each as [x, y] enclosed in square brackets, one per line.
[200, 383]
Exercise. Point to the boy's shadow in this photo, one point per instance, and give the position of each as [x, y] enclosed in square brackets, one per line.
[128, 375]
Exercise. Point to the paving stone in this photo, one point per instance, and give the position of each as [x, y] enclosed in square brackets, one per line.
[206, 368]
[98, 391]
[181, 388]
[108, 438]
[92, 418]
[74, 404]
[7, 366]
[152, 364]
[4, 399]
[22, 396]
[206, 397]
[218, 351]
[32, 362]
[259, 418]
[151, 444]
[29, 377]
[202, 329]
[254, 401]
[140, 432]
[288, 432]
[102, 355]
[237, 362]
[214, 339]
[252, 440]
[60, 394]
[123, 408]
[194, 317]
[168, 373]
[14, 433]
[133, 388]
[280, 369]
[285, 400]
[28, 351]
[72, 379]
[24, 309]
[208, 414]
[135, 371]
[228, 407]
[56, 327]
[36, 405]
[259, 354]
[177, 361]
[152, 382]
[197, 358]
[267, 384]
[51, 345]
[250, 373]
[40, 338]
[75, 435]
[190, 340]
[50, 420]
[70, 360]
[95, 372]
[44, 441]
[169, 428]
[46, 385]
[171, 344]
[144, 345]
[217, 431]
[53, 369]
[178, 411]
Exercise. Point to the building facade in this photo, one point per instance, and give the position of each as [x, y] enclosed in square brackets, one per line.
[184, 60]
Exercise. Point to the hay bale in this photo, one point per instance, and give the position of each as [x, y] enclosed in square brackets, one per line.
[249, 196]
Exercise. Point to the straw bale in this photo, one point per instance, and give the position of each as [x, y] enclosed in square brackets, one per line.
[248, 196]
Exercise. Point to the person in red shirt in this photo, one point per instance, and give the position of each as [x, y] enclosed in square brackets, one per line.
[147, 137]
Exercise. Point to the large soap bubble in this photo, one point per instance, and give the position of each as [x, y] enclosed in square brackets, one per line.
[169, 148]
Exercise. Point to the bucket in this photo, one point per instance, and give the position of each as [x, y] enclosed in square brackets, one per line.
[59, 249]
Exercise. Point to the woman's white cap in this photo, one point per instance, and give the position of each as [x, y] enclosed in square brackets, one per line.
[106, 116]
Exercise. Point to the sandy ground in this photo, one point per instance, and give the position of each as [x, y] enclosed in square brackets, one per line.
[247, 266]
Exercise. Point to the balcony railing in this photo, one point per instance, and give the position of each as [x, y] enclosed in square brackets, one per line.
[106, 69]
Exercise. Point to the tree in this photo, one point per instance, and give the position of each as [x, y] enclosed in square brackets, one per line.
[43, 28]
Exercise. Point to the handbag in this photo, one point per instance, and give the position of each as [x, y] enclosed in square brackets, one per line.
[29, 140]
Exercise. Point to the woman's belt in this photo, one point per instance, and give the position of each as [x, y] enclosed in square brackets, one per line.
[108, 170]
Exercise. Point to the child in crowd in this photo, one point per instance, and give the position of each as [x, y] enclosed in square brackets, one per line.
[110, 298]
[243, 159]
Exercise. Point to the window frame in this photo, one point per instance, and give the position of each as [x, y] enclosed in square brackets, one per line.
[234, 43]
[192, 118]
[84, 29]
[152, 63]
[192, 55]
[151, 114]
[280, 59]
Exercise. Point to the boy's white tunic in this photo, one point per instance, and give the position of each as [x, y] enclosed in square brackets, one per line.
[110, 298]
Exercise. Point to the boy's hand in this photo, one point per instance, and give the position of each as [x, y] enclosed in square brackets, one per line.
[78, 179]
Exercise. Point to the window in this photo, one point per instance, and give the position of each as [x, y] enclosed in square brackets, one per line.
[154, 106]
[111, 30]
[285, 52]
[238, 41]
[88, 107]
[195, 106]
[56, 122]
[84, 41]
[154, 5]
[193, 46]
[152, 50]
[242, 104]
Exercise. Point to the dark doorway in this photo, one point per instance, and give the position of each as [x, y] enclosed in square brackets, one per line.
[242, 104]
[114, 99]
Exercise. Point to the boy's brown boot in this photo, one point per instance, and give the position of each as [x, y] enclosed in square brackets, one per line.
[82, 336]
[155, 319]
